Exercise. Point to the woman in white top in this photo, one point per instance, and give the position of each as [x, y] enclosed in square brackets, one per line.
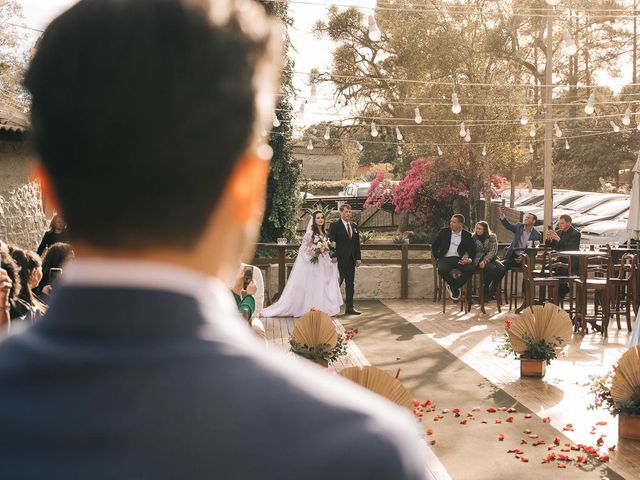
[314, 279]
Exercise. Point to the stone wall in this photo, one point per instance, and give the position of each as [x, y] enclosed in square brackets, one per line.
[22, 220]
[380, 281]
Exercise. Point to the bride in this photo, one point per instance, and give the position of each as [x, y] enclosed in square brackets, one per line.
[314, 279]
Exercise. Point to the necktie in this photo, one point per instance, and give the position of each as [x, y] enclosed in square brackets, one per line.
[349, 229]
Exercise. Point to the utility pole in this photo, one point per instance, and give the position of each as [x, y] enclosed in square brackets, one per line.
[548, 125]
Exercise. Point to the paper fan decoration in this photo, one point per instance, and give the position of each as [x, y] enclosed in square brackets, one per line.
[315, 328]
[626, 381]
[380, 382]
[540, 322]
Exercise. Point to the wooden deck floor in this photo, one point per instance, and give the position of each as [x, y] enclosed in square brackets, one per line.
[562, 395]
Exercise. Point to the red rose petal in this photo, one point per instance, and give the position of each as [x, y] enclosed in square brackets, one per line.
[432, 442]
[546, 420]
[510, 420]
[528, 415]
[600, 441]
[524, 459]
[511, 410]
[533, 435]
[429, 431]
[491, 410]
[456, 410]
[523, 442]
[463, 422]
[476, 409]
[561, 465]
[612, 448]
[498, 420]
[604, 458]
[501, 437]
[601, 424]
[484, 421]
[527, 431]
[556, 441]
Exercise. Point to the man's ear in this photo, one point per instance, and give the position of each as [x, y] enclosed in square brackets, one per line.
[50, 201]
[246, 187]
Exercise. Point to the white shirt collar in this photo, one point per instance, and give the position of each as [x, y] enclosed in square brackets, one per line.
[212, 294]
[345, 222]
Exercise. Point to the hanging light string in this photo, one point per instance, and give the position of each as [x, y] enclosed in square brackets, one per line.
[449, 10]
[523, 143]
[455, 122]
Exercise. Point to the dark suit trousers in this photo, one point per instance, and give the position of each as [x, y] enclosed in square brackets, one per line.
[446, 264]
[347, 270]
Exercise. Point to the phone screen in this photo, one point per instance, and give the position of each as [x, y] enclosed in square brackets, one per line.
[54, 273]
[248, 277]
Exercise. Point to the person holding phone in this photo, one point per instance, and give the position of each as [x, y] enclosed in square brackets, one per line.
[54, 260]
[244, 291]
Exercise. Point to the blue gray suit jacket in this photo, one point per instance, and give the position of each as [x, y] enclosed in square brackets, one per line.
[517, 230]
[134, 384]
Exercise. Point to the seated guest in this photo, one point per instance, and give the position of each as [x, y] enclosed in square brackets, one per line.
[256, 276]
[28, 306]
[55, 257]
[522, 233]
[57, 233]
[487, 258]
[565, 238]
[244, 296]
[454, 248]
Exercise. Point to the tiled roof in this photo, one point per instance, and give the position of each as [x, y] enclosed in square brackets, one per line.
[12, 119]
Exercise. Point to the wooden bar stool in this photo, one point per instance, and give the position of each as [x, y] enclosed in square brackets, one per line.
[549, 284]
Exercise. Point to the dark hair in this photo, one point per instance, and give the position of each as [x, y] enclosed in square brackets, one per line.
[52, 223]
[486, 230]
[565, 217]
[55, 257]
[28, 261]
[535, 217]
[345, 206]
[460, 218]
[314, 226]
[144, 106]
[13, 270]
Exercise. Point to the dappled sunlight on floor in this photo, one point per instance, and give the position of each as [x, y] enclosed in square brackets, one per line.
[563, 395]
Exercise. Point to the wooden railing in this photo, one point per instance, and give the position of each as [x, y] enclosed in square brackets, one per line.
[404, 260]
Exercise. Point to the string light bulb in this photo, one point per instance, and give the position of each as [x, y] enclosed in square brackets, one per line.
[327, 133]
[374, 130]
[484, 150]
[615, 126]
[553, 3]
[418, 117]
[566, 144]
[467, 137]
[313, 97]
[276, 120]
[530, 148]
[524, 118]
[300, 113]
[359, 146]
[558, 131]
[626, 120]
[569, 45]
[398, 134]
[590, 106]
[440, 150]
[399, 150]
[455, 104]
[463, 130]
[310, 145]
[374, 31]
[532, 130]
[638, 127]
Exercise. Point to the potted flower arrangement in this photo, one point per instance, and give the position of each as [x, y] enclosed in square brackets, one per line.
[316, 338]
[536, 337]
[618, 391]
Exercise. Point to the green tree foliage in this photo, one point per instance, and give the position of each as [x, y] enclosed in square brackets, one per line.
[282, 186]
[13, 57]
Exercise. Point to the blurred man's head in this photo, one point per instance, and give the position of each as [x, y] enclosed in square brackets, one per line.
[530, 220]
[145, 111]
[564, 222]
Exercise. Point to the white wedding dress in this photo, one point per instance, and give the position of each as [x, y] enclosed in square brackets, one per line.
[310, 285]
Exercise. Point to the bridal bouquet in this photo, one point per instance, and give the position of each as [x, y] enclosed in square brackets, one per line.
[320, 245]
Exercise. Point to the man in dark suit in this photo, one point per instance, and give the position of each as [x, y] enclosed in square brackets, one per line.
[522, 233]
[565, 238]
[454, 249]
[344, 234]
[147, 117]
